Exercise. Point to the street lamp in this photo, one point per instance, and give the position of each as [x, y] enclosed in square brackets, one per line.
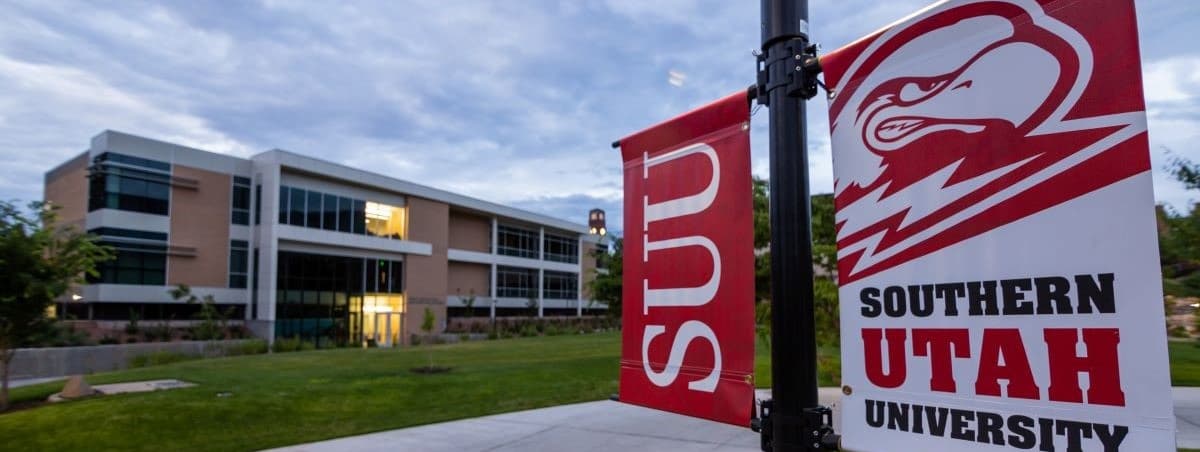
[596, 223]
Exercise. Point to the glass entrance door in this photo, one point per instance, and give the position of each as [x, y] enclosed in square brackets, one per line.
[382, 320]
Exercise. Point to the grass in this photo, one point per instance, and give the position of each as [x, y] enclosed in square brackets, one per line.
[1185, 363]
[290, 398]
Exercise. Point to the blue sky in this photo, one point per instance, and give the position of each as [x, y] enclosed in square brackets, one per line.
[513, 102]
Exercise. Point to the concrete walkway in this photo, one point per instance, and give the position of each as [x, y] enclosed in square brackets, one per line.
[613, 426]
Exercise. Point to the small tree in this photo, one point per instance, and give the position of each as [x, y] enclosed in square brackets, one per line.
[39, 261]
[469, 302]
[606, 287]
[212, 320]
[427, 326]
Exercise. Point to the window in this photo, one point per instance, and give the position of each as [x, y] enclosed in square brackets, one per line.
[241, 201]
[296, 206]
[138, 264]
[129, 183]
[360, 216]
[141, 257]
[561, 249]
[254, 285]
[384, 276]
[517, 242]
[284, 192]
[238, 255]
[600, 252]
[345, 207]
[329, 212]
[514, 282]
[560, 285]
[384, 220]
[258, 204]
[314, 210]
[308, 208]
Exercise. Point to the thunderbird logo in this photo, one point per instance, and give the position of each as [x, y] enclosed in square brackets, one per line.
[969, 116]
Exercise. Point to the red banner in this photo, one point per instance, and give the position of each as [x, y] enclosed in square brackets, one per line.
[688, 341]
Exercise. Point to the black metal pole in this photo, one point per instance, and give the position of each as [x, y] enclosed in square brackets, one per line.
[786, 73]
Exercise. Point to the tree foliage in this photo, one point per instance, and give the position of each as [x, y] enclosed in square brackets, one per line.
[39, 261]
[1179, 235]
[606, 286]
[824, 239]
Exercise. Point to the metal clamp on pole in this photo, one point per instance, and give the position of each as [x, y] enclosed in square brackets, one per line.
[787, 76]
[794, 69]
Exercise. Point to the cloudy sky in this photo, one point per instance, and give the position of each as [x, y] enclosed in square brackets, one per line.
[511, 101]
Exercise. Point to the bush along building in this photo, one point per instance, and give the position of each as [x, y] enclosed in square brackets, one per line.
[301, 247]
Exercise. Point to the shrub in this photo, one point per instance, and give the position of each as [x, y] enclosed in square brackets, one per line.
[464, 337]
[131, 340]
[108, 340]
[253, 347]
[284, 345]
[492, 336]
[528, 331]
[132, 328]
[158, 358]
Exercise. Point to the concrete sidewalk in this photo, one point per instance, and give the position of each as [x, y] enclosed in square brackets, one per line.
[613, 426]
[582, 427]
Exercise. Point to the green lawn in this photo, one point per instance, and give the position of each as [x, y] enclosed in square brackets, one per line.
[291, 398]
[298, 397]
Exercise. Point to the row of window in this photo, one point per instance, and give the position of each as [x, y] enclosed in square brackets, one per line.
[313, 209]
[111, 187]
[519, 242]
[516, 282]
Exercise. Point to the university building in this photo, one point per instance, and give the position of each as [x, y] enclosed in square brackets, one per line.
[302, 247]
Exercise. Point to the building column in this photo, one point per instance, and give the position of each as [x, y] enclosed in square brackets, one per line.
[579, 277]
[495, 235]
[492, 289]
[540, 295]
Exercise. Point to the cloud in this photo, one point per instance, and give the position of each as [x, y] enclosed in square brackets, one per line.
[512, 102]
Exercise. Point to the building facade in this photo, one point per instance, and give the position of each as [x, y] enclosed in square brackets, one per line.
[301, 247]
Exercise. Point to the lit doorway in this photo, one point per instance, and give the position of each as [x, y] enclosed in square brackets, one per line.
[383, 320]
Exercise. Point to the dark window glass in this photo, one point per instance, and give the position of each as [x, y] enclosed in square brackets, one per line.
[127, 189]
[372, 275]
[397, 277]
[254, 286]
[283, 204]
[130, 233]
[330, 212]
[345, 206]
[561, 249]
[314, 210]
[560, 285]
[258, 204]
[512, 241]
[140, 264]
[296, 208]
[238, 254]
[241, 197]
[359, 216]
[240, 202]
[515, 282]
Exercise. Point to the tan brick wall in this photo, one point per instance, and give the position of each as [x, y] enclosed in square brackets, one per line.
[67, 188]
[200, 219]
[465, 277]
[470, 232]
[588, 268]
[425, 276]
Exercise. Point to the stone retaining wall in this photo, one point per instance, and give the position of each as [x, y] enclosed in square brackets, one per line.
[60, 361]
